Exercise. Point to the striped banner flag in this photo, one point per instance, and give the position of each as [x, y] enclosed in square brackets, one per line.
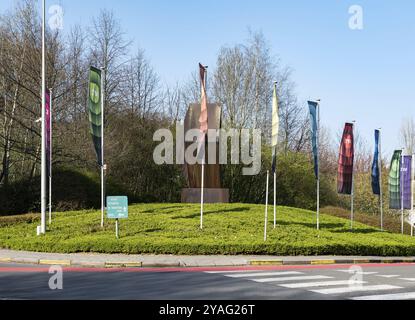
[314, 128]
[48, 133]
[394, 181]
[375, 166]
[203, 119]
[346, 161]
[94, 110]
[406, 177]
[275, 128]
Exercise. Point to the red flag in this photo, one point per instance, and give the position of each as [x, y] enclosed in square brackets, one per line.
[203, 119]
[346, 161]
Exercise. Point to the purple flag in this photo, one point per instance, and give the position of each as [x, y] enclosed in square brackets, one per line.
[406, 176]
[47, 124]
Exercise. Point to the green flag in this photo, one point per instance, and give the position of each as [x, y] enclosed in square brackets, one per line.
[94, 110]
[394, 181]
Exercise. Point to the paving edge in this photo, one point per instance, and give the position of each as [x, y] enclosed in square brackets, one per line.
[143, 264]
[327, 262]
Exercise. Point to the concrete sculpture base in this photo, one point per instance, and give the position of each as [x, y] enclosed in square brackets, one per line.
[192, 195]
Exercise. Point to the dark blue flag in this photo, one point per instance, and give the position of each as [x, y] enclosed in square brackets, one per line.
[314, 131]
[375, 166]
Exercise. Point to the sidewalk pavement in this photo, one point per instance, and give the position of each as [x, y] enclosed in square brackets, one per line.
[131, 261]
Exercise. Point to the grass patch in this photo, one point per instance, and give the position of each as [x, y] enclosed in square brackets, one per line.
[229, 229]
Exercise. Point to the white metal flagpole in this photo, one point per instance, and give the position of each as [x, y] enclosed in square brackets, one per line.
[50, 155]
[202, 192]
[380, 180]
[402, 188]
[102, 147]
[43, 135]
[318, 164]
[275, 196]
[266, 208]
[412, 191]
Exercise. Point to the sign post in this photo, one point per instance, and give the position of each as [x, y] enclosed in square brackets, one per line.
[117, 208]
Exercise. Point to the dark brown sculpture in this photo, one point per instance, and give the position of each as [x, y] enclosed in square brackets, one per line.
[213, 192]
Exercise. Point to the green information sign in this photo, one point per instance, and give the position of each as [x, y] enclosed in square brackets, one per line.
[117, 207]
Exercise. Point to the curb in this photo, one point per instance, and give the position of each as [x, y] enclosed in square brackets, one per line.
[326, 262]
[55, 262]
[123, 264]
[266, 262]
[140, 264]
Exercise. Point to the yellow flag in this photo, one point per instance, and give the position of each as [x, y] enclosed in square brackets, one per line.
[275, 117]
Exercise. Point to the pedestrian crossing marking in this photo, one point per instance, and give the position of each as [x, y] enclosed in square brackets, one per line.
[262, 274]
[291, 278]
[390, 296]
[407, 279]
[352, 289]
[387, 275]
[357, 272]
[319, 284]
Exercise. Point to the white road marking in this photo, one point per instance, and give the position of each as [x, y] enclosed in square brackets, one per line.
[355, 289]
[261, 274]
[391, 296]
[359, 272]
[291, 278]
[319, 284]
[407, 279]
[387, 275]
[231, 271]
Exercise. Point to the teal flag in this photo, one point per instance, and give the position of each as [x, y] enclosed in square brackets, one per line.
[394, 181]
[94, 110]
[314, 132]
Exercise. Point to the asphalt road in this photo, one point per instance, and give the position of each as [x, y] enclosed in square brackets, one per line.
[379, 282]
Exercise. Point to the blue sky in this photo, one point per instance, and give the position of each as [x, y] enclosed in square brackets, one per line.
[365, 75]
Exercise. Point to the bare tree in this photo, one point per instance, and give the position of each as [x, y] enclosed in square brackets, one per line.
[108, 50]
[140, 87]
[408, 134]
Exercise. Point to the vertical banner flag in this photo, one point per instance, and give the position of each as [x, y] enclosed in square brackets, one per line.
[48, 133]
[406, 176]
[346, 161]
[314, 127]
[94, 109]
[203, 119]
[375, 166]
[394, 181]
[275, 128]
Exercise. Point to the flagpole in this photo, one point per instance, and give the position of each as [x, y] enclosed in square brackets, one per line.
[275, 157]
[43, 144]
[352, 198]
[318, 164]
[380, 180]
[202, 191]
[412, 190]
[402, 187]
[202, 187]
[102, 146]
[266, 207]
[275, 197]
[50, 155]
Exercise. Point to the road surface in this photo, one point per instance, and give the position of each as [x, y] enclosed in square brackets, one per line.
[334, 282]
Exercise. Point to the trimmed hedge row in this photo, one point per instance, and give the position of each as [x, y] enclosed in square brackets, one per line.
[229, 229]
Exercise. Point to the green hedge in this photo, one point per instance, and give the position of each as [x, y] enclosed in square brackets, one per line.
[229, 229]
